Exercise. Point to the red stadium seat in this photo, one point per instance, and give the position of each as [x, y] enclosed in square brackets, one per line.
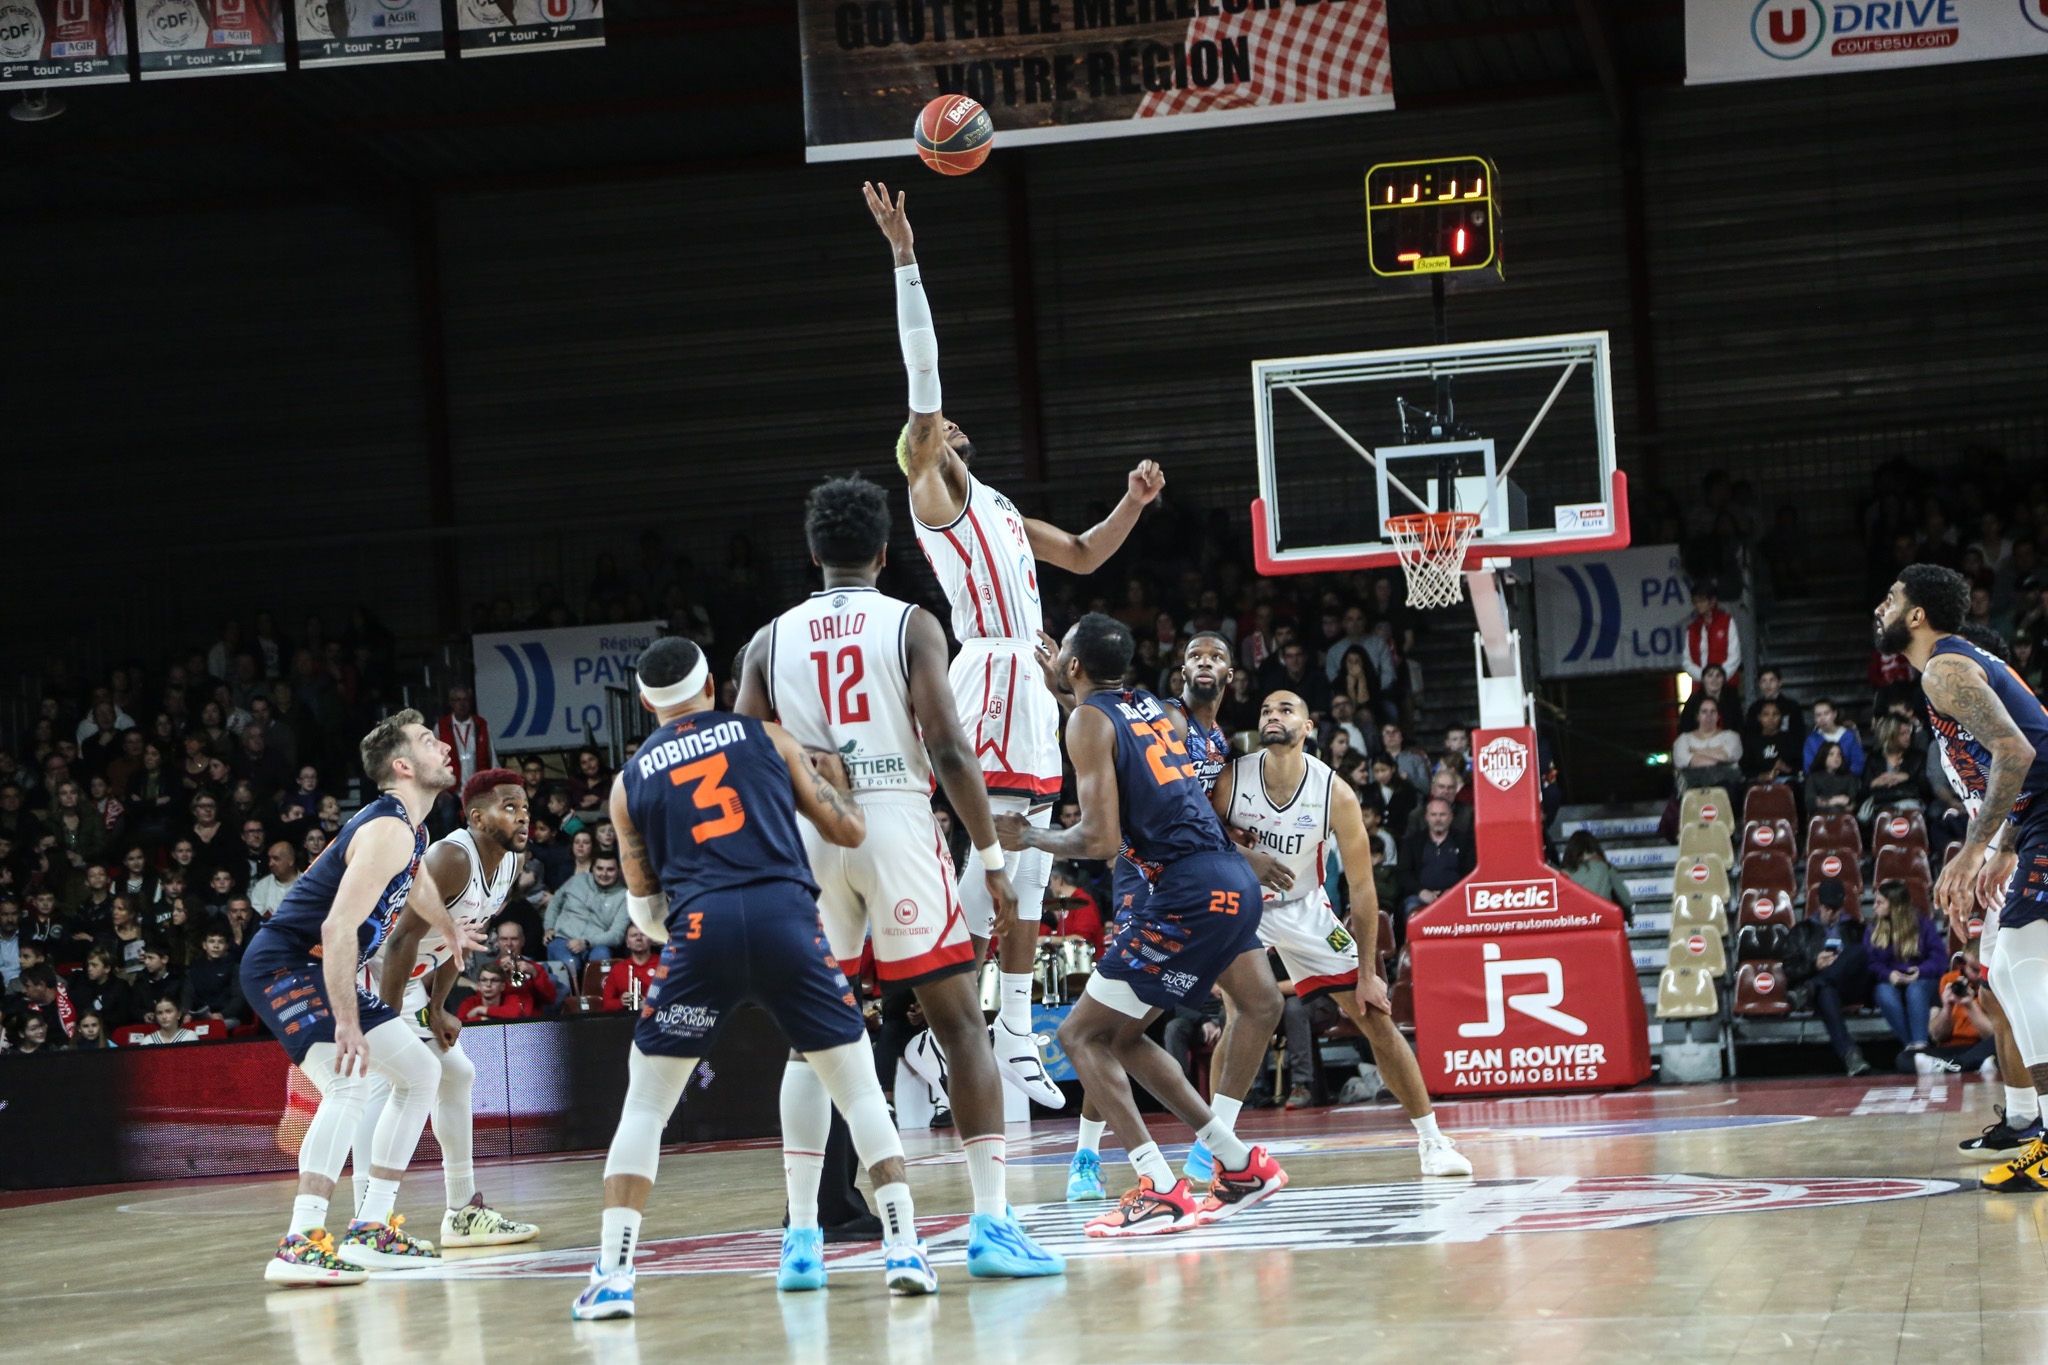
[1764, 907]
[1768, 836]
[1768, 872]
[1825, 863]
[128, 1034]
[1838, 832]
[1769, 801]
[593, 979]
[1899, 828]
[1760, 990]
[209, 1030]
[1401, 994]
[1920, 891]
[1894, 860]
[1762, 942]
[1386, 947]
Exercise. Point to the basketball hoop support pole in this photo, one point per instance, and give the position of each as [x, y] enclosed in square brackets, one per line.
[1496, 654]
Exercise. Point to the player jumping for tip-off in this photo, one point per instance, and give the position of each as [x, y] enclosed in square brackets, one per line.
[984, 553]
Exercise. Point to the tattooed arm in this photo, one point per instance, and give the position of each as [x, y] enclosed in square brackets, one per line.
[1957, 687]
[819, 781]
[634, 861]
[1091, 745]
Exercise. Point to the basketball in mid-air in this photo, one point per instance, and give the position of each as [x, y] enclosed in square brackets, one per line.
[954, 134]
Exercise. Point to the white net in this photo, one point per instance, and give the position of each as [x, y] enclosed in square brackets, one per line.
[1432, 549]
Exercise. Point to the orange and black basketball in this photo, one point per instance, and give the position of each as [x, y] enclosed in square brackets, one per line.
[954, 134]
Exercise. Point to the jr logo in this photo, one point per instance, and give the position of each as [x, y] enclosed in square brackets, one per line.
[1538, 1005]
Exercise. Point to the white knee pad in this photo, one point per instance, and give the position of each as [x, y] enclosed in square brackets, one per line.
[848, 1072]
[654, 1086]
[325, 1147]
[453, 1122]
[2019, 977]
[1030, 871]
[806, 1108]
[376, 1094]
[415, 1074]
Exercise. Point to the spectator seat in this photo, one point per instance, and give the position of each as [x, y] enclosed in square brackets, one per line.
[1842, 866]
[1760, 990]
[1920, 890]
[1768, 836]
[1903, 828]
[1762, 942]
[1900, 861]
[593, 979]
[1767, 871]
[1687, 993]
[1701, 948]
[128, 1034]
[1385, 946]
[1401, 994]
[1697, 874]
[1764, 907]
[582, 1004]
[1698, 908]
[1706, 806]
[1837, 833]
[209, 1030]
[1706, 840]
[1769, 801]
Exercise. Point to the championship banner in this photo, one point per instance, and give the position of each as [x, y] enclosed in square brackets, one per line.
[1062, 70]
[62, 42]
[1739, 40]
[491, 26]
[340, 32]
[1619, 612]
[208, 37]
[545, 689]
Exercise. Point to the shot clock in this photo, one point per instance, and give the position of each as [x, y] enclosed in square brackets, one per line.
[1433, 217]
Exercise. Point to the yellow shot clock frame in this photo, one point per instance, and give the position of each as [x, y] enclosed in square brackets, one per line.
[1433, 217]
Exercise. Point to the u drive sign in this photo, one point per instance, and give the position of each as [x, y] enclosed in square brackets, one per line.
[545, 689]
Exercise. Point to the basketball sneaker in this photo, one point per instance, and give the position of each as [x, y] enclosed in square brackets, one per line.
[477, 1224]
[908, 1270]
[1084, 1178]
[1000, 1249]
[1441, 1157]
[1018, 1058]
[927, 1063]
[1200, 1167]
[2026, 1173]
[1999, 1141]
[308, 1258]
[803, 1259]
[1232, 1192]
[383, 1246]
[606, 1296]
[1147, 1212]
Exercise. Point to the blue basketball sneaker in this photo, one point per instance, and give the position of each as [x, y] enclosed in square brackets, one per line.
[1084, 1178]
[1200, 1166]
[803, 1259]
[909, 1270]
[1000, 1249]
[606, 1296]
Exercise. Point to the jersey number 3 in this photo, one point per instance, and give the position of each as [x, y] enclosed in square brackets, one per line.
[853, 706]
[712, 794]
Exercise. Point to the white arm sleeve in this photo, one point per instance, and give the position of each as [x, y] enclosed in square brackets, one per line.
[920, 342]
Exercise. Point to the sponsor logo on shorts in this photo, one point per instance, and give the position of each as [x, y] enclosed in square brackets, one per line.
[906, 911]
[1180, 983]
[1338, 939]
[684, 1019]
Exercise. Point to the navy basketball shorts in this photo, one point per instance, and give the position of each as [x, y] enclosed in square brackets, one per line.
[1202, 916]
[292, 999]
[2027, 899]
[762, 943]
[1128, 889]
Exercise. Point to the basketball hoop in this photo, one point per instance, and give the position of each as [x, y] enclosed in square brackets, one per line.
[1432, 549]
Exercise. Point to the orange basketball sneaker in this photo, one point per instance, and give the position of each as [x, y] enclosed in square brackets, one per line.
[1232, 1192]
[1147, 1212]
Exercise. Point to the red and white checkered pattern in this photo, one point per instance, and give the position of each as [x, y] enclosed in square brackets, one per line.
[1299, 54]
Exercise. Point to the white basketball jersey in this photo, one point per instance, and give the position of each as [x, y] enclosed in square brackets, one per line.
[984, 562]
[1294, 831]
[478, 904]
[839, 678]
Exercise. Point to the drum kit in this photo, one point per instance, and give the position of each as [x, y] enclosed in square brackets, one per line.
[1062, 968]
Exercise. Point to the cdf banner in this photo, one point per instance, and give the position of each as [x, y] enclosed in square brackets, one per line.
[1620, 612]
[544, 689]
[489, 26]
[1744, 40]
[62, 42]
[1060, 70]
[338, 32]
[208, 37]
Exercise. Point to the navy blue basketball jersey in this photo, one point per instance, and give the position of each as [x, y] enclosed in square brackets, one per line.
[1161, 806]
[1967, 759]
[292, 933]
[711, 797]
[1207, 747]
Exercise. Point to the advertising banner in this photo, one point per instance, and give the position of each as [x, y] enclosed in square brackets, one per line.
[62, 42]
[1736, 40]
[1060, 70]
[544, 689]
[208, 37]
[1619, 612]
[490, 26]
[338, 32]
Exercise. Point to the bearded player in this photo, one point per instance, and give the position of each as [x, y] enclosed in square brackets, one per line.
[1293, 806]
[863, 675]
[473, 869]
[1198, 928]
[984, 554]
[1993, 733]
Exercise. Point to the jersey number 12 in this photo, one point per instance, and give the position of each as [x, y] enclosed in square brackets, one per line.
[850, 669]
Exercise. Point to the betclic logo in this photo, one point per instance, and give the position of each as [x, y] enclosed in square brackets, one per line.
[1537, 896]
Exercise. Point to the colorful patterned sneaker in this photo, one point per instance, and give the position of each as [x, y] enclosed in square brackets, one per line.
[1084, 1178]
[1000, 1249]
[383, 1246]
[803, 1259]
[1999, 1141]
[2026, 1173]
[1020, 1059]
[307, 1258]
[1147, 1212]
[1441, 1157]
[477, 1224]
[1232, 1192]
[908, 1270]
[606, 1296]
[1200, 1167]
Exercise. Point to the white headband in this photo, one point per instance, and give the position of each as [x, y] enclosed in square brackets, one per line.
[675, 694]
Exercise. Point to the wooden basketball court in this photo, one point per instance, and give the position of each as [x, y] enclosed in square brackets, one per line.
[1770, 1220]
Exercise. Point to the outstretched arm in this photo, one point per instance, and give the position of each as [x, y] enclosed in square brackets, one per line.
[1091, 744]
[1957, 687]
[931, 703]
[1089, 551]
[938, 481]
